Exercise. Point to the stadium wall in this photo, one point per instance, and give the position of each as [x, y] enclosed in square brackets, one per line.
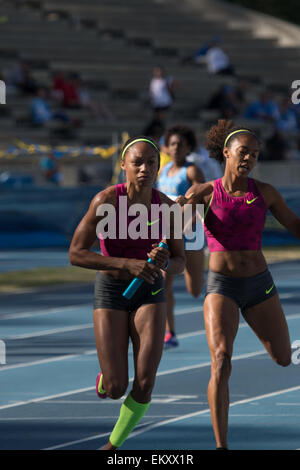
[44, 218]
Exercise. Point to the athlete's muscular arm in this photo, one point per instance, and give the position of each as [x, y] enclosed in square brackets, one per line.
[80, 253]
[279, 208]
[175, 245]
[195, 175]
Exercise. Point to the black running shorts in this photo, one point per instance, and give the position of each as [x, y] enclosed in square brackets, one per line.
[245, 291]
[108, 293]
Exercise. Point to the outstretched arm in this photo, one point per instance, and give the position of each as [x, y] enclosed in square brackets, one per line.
[281, 211]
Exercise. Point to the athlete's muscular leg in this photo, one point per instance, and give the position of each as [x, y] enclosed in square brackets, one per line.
[221, 317]
[112, 338]
[147, 330]
[170, 301]
[193, 272]
[268, 322]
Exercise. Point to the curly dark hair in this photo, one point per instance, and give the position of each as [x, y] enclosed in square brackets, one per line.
[216, 136]
[184, 131]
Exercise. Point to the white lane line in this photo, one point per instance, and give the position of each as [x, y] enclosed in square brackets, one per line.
[148, 427]
[198, 413]
[49, 332]
[93, 351]
[49, 311]
[90, 325]
[46, 361]
[86, 439]
[288, 404]
[80, 418]
[10, 316]
[160, 373]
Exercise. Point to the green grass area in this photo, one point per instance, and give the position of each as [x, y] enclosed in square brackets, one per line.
[42, 277]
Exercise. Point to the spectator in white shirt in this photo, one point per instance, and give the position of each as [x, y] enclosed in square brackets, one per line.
[161, 92]
[217, 61]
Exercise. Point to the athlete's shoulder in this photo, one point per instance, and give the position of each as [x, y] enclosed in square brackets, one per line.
[269, 192]
[165, 199]
[195, 174]
[106, 196]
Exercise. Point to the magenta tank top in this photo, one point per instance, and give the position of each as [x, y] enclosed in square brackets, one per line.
[235, 223]
[130, 248]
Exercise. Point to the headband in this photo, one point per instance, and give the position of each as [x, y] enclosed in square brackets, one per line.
[235, 132]
[139, 140]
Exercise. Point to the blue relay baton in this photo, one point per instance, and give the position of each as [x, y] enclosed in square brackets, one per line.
[137, 282]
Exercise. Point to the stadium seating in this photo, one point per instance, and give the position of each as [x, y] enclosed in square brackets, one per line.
[114, 46]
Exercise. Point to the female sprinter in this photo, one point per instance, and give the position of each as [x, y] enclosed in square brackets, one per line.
[143, 317]
[174, 180]
[238, 275]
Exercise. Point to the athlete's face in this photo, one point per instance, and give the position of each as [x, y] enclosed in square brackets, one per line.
[140, 164]
[178, 148]
[242, 154]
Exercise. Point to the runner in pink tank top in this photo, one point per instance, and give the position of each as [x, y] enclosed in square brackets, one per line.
[116, 318]
[238, 277]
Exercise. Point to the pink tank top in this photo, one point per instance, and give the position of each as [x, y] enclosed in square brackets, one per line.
[235, 223]
[130, 248]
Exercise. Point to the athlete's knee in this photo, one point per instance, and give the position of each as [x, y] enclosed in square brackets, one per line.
[144, 386]
[221, 364]
[195, 289]
[283, 361]
[116, 389]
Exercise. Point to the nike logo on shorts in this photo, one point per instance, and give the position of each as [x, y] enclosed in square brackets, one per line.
[151, 223]
[269, 290]
[157, 291]
[252, 200]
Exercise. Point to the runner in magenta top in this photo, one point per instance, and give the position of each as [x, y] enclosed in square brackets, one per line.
[235, 223]
[238, 278]
[132, 248]
[116, 318]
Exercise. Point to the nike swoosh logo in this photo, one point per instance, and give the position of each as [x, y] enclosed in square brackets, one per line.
[269, 290]
[252, 200]
[157, 291]
[151, 223]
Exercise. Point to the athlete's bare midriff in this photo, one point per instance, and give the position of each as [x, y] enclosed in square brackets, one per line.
[237, 263]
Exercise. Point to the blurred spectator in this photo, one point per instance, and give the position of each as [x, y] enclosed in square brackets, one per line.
[225, 101]
[287, 120]
[199, 57]
[155, 130]
[50, 168]
[40, 109]
[294, 149]
[59, 83]
[229, 100]
[275, 147]
[210, 168]
[263, 109]
[20, 78]
[161, 92]
[76, 95]
[217, 61]
[296, 108]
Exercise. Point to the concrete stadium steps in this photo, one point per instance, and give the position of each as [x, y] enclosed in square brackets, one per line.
[116, 56]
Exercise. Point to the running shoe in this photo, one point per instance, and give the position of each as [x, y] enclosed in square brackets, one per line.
[170, 340]
[100, 392]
